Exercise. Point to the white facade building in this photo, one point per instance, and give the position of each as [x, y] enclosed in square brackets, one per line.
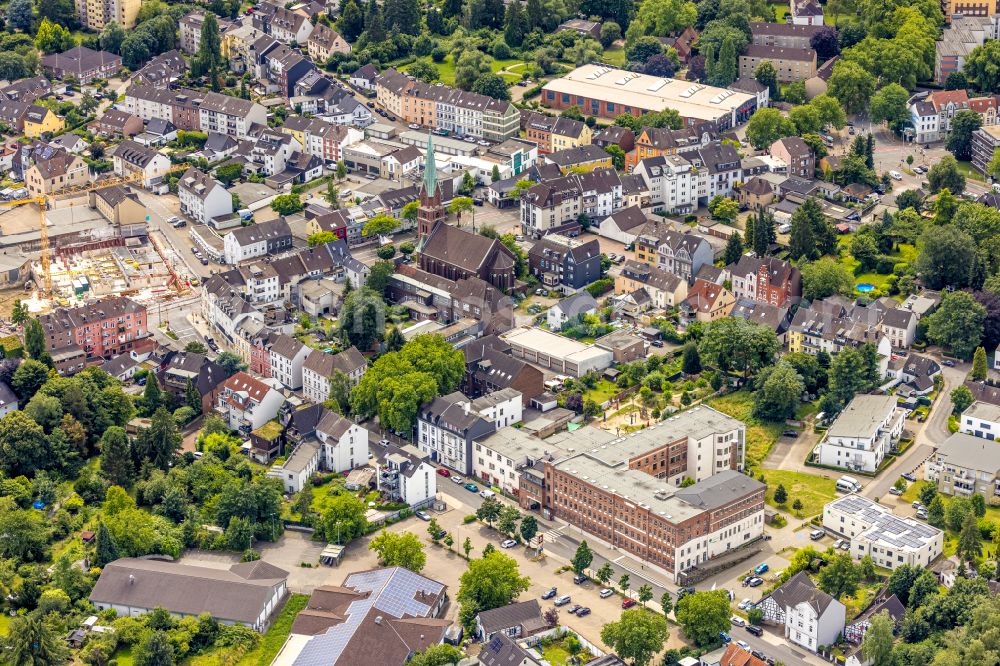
[344, 443]
[981, 419]
[202, 197]
[874, 530]
[862, 434]
[811, 617]
[286, 356]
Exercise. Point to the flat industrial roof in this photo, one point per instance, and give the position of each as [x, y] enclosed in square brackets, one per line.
[651, 93]
[553, 345]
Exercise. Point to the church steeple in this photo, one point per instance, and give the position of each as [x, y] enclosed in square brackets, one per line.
[430, 168]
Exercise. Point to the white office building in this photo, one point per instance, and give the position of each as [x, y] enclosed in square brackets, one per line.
[874, 530]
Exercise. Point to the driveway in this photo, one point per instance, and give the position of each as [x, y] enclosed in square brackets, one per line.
[790, 453]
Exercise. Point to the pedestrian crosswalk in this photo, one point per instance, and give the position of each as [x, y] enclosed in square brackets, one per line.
[551, 536]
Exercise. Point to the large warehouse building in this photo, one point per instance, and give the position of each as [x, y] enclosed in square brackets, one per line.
[606, 92]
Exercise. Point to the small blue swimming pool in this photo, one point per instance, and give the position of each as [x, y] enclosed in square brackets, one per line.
[864, 287]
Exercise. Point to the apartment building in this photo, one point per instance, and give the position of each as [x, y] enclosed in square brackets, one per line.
[96, 14]
[663, 290]
[202, 197]
[677, 252]
[134, 159]
[931, 115]
[229, 115]
[319, 367]
[562, 261]
[104, 328]
[193, 110]
[791, 64]
[54, 169]
[972, 25]
[257, 240]
[875, 531]
[555, 203]
[83, 64]
[965, 465]
[799, 157]
[324, 41]
[247, 403]
[553, 133]
[784, 35]
[985, 141]
[657, 141]
[39, 120]
[861, 436]
[405, 474]
[499, 457]
[286, 358]
[446, 428]
[189, 30]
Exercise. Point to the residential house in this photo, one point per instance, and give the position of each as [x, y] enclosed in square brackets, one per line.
[119, 205]
[39, 120]
[755, 193]
[107, 327]
[55, 169]
[203, 374]
[83, 64]
[799, 157]
[569, 308]
[682, 43]
[323, 42]
[875, 531]
[885, 602]
[981, 419]
[247, 593]
[96, 15]
[134, 160]
[202, 197]
[787, 35]
[562, 261]
[228, 115]
[707, 301]
[915, 373]
[581, 27]
[286, 357]
[503, 651]
[663, 290]
[257, 240]
[288, 26]
[247, 403]
[8, 400]
[581, 158]
[555, 133]
[679, 252]
[189, 29]
[806, 12]
[672, 182]
[769, 280]
[516, 620]
[613, 135]
[964, 465]
[405, 474]
[160, 132]
[899, 325]
[489, 367]
[380, 617]
[811, 617]
[659, 141]
[778, 318]
[118, 124]
[162, 70]
[319, 367]
[863, 434]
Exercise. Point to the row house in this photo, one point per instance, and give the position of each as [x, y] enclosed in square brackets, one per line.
[229, 115]
[287, 356]
[657, 141]
[558, 202]
[132, 159]
[202, 197]
[931, 116]
[641, 286]
[320, 367]
[553, 133]
[246, 403]
[678, 252]
[281, 68]
[285, 25]
[444, 108]
[191, 110]
[257, 240]
[447, 426]
[197, 370]
[831, 325]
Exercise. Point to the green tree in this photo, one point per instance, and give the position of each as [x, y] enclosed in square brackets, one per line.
[666, 603]
[734, 250]
[981, 67]
[20, 14]
[727, 67]
[529, 528]
[491, 581]
[343, 519]
[230, 363]
[287, 204]
[826, 277]
[957, 323]
[321, 238]
[460, 205]
[380, 276]
[993, 167]
[780, 494]
[112, 37]
[624, 582]
[239, 534]
[691, 361]
[380, 225]
[34, 342]
[362, 318]
[491, 85]
[582, 558]
[840, 576]
[116, 457]
[53, 38]
[209, 57]
[723, 209]
[645, 594]
[947, 257]
[605, 573]
[779, 393]
[979, 367]
[507, 522]
[935, 511]
[469, 66]
[878, 640]
[766, 126]
[436, 655]
[106, 549]
[963, 125]
[969, 545]
[160, 442]
[617, 156]
[852, 85]
[399, 549]
[489, 510]
[637, 635]
[155, 649]
[944, 174]
[734, 344]
[703, 615]
[889, 105]
[34, 640]
[767, 76]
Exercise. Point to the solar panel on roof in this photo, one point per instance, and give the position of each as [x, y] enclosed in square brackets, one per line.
[496, 644]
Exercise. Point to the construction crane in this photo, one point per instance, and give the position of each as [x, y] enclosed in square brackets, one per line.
[76, 190]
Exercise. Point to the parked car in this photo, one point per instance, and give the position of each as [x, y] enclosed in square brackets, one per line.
[472, 488]
[845, 545]
[606, 592]
[422, 515]
[744, 645]
[413, 126]
[922, 514]
[562, 601]
[909, 477]
[895, 491]
[756, 582]
[444, 472]
[916, 504]
[790, 433]
[816, 535]
[628, 603]
[574, 608]
[457, 479]
[755, 630]
[948, 362]
[761, 568]
[745, 604]
[583, 611]
[737, 621]
[579, 579]
[725, 638]
[549, 593]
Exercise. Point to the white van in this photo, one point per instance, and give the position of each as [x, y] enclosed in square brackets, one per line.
[486, 493]
[895, 175]
[848, 484]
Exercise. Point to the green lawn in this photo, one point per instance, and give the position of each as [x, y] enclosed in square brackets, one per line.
[813, 491]
[614, 56]
[555, 654]
[268, 647]
[446, 69]
[604, 390]
[904, 253]
[4, 624]
[124, 656]
[760, 436]
[967, 170]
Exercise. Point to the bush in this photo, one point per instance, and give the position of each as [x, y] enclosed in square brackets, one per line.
[471, 518]
[600, 287]
[885, 265]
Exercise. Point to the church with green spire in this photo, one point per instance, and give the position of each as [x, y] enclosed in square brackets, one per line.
[431, 210]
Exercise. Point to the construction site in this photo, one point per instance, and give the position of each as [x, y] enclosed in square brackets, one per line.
[81, 254]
